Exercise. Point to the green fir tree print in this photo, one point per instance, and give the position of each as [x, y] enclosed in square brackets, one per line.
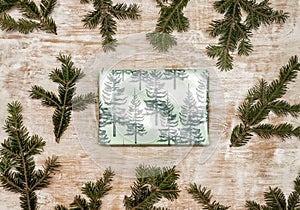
[123, 73]
[105, 118]
[113, 97]
[139, 76]
[156, 94]
[152, 107]
[190, 117]
[202, 94]
[169, 123]
[135, 115]
[174, 75]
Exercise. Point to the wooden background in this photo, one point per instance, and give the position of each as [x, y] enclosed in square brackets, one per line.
[233, 174]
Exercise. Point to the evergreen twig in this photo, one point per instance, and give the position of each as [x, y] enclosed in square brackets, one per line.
[235, 31]
[262, 99]
[34, 17]
[94, 191]
[66, 100]
[104, 14]
[275, 199]
[152, 184]
[171, 18]
[204, 197]
[18, 171]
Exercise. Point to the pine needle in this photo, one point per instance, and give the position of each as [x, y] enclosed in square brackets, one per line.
[93, 193]
[34, 17]
[65, 101]
[262, 99]
[203, 196]
[171, 18]
[275, 199]
[152, 184]
[104, 14]
[234, 30]
[18, 171]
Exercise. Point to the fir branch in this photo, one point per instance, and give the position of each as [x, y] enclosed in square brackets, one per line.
[104, 14]
[7, 23]
[275, 199]
[204, 197]
[235, 31]
[252, 205]
[293, 201]
[94, 191]
[6, 5]
[152, 184]
[297, 184]
[47, 7]
[26, 26]
[284, 130]
[85, 1]
[18, 173]
[161, 41]
[65, 101]
[48, 25]
[108, 29]
[79, 103]
[29, 10]
[122, 11]
[283, 108]
[79, 203]
[60, 207]
[42, 177]
[171, 18]
[262, 99]
[35, 18]
[48, 98]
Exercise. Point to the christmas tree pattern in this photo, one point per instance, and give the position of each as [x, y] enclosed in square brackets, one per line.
[105, 118]
[139, 76]
[123, 73]
[156, 94]
[169, 122]
[166, 107]
[202, 94]
[190, 117]
[135, 115]
[173, 74]
[114, 98]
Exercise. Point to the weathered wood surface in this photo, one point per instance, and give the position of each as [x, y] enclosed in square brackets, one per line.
[234, 175]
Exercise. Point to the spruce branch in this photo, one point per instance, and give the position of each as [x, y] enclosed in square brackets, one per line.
[6, 5]
[152, 184]
[161, 41]
[24, 26]
[275, 199]
[171, 18]
[203, 196]
[94, 191]
[60, 207]
[66, 100]
[35, 18]
[47, 7]
[104, 14]
[18, 171]
[234, 30]
[262, 99]
[297, 184]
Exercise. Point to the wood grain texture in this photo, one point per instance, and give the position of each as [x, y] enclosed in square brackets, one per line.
[233, 174]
